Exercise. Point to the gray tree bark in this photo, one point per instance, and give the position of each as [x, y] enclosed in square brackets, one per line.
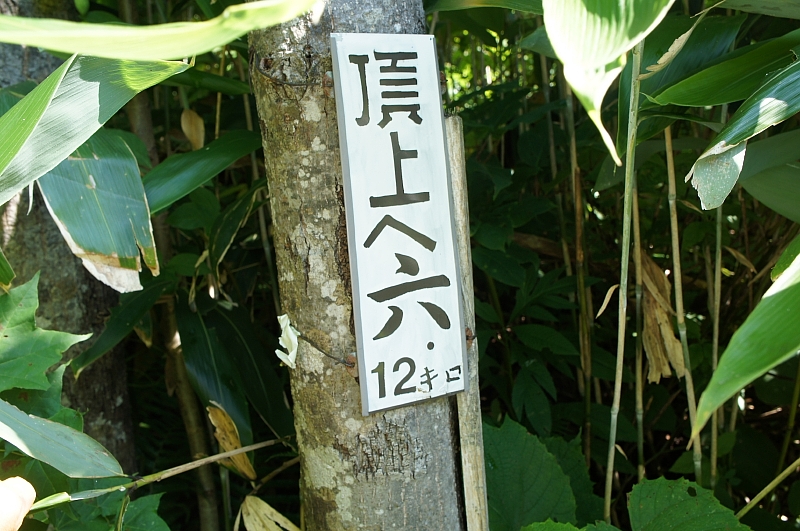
[70, 299]
[391, 470]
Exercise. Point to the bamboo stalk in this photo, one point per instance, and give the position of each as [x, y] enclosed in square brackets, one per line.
[676, 266]
[715, 341]
[584, 319]
[637, 263]
[633, 120]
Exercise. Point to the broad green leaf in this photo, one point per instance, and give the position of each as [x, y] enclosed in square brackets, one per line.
[132, 307]
[786, 259]
[26, 352]
[769, 336]
[530, 6]
[524, 482]
[162, 41]
[733, 77]
[771, 152]
[572, 461]
[678, 505]
[142, 515]
[778, 188]
[539, 42]
[42, 403]
[538, 337]
[591, 38]
[710, 39]
[96, 198]
[135, 144]
[773, 8]
[44, 478]
[69, 451]
[717, 170]
[211, 370]
[499, 266]
[529, 400]
[68, 107]
[180, 174]
[7, 274]
[228, 224]
[9, 96]
[204, 80]
[260, 382]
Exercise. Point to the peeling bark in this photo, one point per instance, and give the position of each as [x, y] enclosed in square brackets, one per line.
[391, 470]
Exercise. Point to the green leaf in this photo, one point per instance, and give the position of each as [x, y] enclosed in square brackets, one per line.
[42, 403]
[733, 77]
[180, 174]
[778, 189]
[572, 461]
[499, 266]
[769, 153]
[7, 274]
[68, 107]
[67, 450]
[529, 6]
[538, 42]
[132, 307]
[26, 352]
[96, 198]
[161, 41]
[549, 526]
[228, 224]
[591, 38]
[135, 144]
[199, 79]
[786, 259]
[142, 515]
[673, 505]
[211, 371]
[529, 398]
[773, 8]
[539, 337]
[769, 336]
[524, 482]
[715, 173]
[260, 382]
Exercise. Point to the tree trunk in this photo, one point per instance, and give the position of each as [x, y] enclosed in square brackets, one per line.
[395, 469]
[70, 299]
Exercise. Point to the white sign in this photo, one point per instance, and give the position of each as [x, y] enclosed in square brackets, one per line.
[406, 295]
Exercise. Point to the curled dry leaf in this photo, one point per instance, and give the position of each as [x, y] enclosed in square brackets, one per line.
[193, 127]
[661, 346]
[228, 437]
[609, 293]
[258, 515]
[742, 259]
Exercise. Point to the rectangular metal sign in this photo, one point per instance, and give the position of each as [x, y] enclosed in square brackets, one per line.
[406, 292]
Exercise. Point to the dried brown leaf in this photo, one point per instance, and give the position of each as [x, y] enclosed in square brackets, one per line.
[258, 515]
[742, 259]
[228, 437]
[193, 127]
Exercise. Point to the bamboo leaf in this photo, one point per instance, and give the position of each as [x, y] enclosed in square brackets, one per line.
[162, 41]
[59, 115]
[771, 173]
[769, 336]
[530, 6]
[773, 8]
[591, 38]
[211, 370]
[228, 224]
[132, 307]
[786, 259]
[178, 175]
[733, 77]
[96, 198]
[7, 274]
[67, 450]
[195, 78]
[717, 170]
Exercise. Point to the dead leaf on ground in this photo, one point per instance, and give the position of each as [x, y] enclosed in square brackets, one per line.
[228, 437]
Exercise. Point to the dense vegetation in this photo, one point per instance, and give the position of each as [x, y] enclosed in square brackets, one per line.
[548, 223]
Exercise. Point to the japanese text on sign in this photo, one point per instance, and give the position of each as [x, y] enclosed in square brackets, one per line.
[406, 298]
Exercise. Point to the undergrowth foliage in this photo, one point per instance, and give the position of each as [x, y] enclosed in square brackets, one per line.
[547, 222]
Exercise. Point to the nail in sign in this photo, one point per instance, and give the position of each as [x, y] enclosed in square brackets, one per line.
[406, 295]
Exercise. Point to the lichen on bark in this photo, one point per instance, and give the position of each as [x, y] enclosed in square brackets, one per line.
[391, 470]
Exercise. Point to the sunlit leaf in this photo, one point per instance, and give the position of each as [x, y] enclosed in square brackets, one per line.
[178, 175]
[69, 451]
[732, 77]
[769, 336]
[717, 170]
[162, 41]
[258, 515]
[59, 115]
[96, 198]
[591, 38]
[786, 259]
[26, 351]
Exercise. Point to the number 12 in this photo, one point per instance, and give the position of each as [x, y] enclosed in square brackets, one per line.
[399, 389]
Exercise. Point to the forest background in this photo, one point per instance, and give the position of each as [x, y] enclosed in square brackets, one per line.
[580, 403]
